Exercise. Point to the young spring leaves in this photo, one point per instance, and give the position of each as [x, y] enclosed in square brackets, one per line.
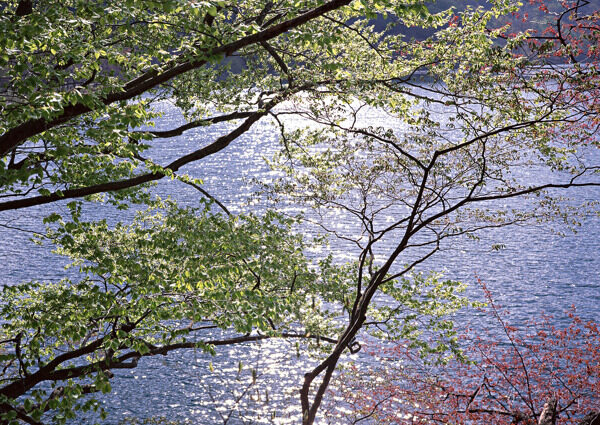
[162, 283]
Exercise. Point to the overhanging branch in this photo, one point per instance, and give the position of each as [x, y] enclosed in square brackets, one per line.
[18, 134]
[178, 131]
[219, 144]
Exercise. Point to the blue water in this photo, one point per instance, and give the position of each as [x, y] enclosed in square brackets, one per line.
[538, 271]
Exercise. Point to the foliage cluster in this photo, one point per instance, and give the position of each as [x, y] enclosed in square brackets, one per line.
[532, 370]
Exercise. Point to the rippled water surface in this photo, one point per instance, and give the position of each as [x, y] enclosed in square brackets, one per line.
[538, 271]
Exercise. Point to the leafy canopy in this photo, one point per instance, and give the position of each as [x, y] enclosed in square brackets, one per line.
[472, 108]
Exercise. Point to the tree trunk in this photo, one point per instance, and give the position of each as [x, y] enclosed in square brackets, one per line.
[548, 416]
[591, 419]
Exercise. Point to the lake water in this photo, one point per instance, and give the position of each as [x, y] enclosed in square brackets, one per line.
[537, 272]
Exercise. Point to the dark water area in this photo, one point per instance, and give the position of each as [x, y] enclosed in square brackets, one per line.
[538, 271]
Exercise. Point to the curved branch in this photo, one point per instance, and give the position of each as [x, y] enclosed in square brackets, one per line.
[153, 78]
[195, 124]
[128, 360]
[207, 195]
[219, 144]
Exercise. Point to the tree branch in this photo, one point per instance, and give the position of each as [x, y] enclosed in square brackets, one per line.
[198, 123]
[219, 144]
[153, 78]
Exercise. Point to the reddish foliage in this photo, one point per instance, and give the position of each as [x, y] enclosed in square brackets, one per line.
[566, 59]
[513, 375]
